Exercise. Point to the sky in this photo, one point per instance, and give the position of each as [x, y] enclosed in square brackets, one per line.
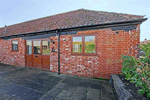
[17, 11]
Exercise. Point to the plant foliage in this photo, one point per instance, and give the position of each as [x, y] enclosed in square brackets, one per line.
[138, 70]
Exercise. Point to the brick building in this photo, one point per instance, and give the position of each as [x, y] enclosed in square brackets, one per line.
[81, 42]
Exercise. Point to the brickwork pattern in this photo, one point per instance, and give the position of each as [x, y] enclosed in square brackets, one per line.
[110, 46]
[54, 55]
[108, 59]
[7, 56]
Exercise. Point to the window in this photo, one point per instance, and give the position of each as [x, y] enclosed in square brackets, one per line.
[28, 47]
[45, 47]
[84, 44]
[77, 44]
[15, 45]
[89, 44]
[36, 47]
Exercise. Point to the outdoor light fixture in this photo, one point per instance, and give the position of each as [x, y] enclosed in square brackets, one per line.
[53, 50]
[52, 41]
[117, 32]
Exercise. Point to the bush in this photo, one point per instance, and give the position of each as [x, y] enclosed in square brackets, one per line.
[138, 70]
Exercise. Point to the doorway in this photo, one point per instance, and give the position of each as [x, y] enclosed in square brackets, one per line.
[38, 53]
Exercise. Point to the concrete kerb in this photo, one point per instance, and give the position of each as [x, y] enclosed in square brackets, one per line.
[117, 84]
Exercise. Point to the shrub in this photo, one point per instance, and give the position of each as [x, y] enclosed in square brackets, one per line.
[138, 70]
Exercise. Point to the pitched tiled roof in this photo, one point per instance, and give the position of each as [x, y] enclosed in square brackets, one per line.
[145, 42]
[74, 18]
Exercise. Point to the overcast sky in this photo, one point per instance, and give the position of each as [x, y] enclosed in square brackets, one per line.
[16, 11]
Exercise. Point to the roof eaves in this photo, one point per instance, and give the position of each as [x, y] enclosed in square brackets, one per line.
[79, 27]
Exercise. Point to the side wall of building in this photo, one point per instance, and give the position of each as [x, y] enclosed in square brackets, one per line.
[110, 46]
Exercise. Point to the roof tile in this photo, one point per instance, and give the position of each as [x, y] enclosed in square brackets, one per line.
[74, 18]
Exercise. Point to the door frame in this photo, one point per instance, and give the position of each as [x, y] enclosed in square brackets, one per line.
[32, 40]
[28, 54]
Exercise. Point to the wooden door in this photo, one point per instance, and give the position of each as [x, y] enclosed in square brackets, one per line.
[45, 54]
[37, 53]
[29, 57]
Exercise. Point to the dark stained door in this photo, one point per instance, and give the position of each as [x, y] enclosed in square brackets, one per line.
[37, 53]
[29, 57]
[45, 54]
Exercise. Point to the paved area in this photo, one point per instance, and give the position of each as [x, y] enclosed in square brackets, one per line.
[17, 83]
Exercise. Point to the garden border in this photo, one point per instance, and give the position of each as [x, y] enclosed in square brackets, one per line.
[117, 84]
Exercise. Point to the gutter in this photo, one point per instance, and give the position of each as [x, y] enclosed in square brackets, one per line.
[139, 21]
[79, 28]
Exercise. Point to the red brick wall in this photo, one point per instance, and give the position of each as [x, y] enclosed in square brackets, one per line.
[7, 56]
[54, 55]
[108, 60]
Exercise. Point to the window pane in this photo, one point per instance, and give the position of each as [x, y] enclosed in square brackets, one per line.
[14, 45]
[29, 47]
[45, 49]
[15, 42]
[77, 44]
[36, 47]
[89, 44]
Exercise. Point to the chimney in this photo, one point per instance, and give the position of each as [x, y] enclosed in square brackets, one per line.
[5, 29]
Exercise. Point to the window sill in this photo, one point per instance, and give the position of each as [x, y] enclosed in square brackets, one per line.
[14, 50]
[82, 55]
